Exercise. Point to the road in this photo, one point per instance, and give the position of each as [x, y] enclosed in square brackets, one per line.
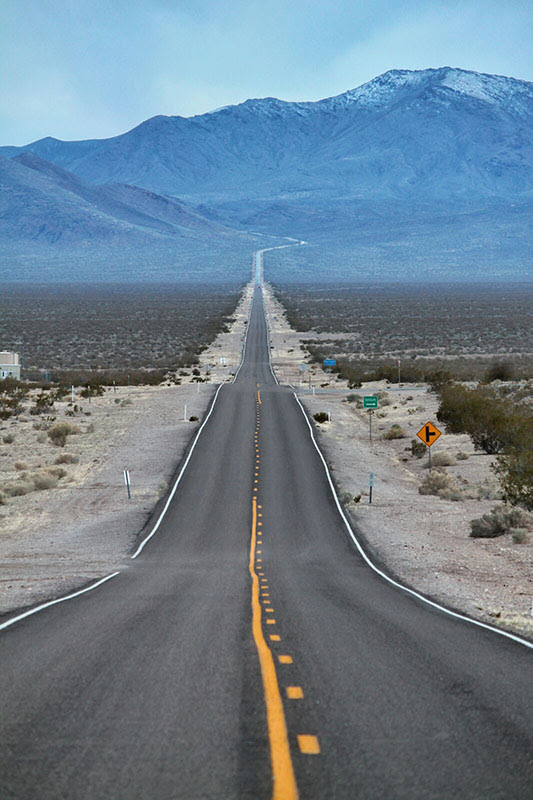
[248, 651]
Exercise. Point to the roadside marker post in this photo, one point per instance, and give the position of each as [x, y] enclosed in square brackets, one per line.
[370, 402]
[72, 393]
[429, 435]
[399, 367]
[370, 487]
[127, 482]
[185, 413]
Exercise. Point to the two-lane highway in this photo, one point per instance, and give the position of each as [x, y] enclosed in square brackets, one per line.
[248, 651]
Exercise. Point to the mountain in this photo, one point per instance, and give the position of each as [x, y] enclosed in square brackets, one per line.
[42, 200]
[416, 136]
[49, 215]
[425, 172]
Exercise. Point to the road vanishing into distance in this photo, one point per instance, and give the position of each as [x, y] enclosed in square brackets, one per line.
[247, 650]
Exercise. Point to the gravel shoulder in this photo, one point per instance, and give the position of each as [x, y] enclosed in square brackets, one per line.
[423, 540]
[55, 540]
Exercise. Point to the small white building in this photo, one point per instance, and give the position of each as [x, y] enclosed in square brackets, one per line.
[9, 365]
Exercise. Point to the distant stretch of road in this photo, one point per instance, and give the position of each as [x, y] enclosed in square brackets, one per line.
[247, 650]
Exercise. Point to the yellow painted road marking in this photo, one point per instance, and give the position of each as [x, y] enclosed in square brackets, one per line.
[308, 744]
[285, 659]
[284, 782]
[295, 692]
[275, 637]
[271, 622]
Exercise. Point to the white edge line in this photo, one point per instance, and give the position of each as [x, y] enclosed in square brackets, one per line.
[58, 600]
[245, 341]
[178, 479]
[383, 574]
[268, 344]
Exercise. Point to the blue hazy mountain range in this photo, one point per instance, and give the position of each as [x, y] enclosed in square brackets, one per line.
[54, 226]
[424, 172]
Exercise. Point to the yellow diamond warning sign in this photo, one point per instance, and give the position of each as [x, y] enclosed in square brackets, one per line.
[429, 434]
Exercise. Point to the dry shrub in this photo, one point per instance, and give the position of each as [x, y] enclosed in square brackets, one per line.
[395, 432]
[443, 459]
[58, 433]
[320, 416]
[9, 438]
[460, 456]
[498, 522]
[441, 484]
[57, 472]
[417, 448]
[44, 480]
[66, 458]
[489, 489]
[20, 465]
[18, 488]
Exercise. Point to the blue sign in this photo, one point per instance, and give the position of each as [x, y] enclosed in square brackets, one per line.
[329, 362]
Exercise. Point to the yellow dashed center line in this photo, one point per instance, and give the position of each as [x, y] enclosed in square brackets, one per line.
[308, 744]
[285, 659]
[295, 692]
[284, 782]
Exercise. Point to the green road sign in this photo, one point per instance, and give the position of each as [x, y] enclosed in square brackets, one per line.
[370, 401]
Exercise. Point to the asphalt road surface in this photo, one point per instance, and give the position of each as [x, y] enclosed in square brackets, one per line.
[249, 652]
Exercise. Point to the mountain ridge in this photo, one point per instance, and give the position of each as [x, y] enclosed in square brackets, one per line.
[391, 128]
[412, 173]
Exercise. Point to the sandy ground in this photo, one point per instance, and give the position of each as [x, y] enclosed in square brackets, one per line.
[54, 540]
[424, 540]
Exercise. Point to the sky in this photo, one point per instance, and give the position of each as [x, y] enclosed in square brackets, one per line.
[79, 69]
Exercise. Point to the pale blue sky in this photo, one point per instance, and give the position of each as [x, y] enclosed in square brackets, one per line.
[95, 68]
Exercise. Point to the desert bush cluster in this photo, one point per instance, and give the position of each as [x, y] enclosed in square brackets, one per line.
[502, 520]
[32, 481]
[425, 320]
[440, 334]
[441, 484]
[496, 426]
[113, 327]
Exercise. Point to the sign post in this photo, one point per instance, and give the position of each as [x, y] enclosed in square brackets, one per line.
[370, 402]
[429, 435]
[370, 487]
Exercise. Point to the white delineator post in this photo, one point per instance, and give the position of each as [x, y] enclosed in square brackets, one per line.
[127, 482]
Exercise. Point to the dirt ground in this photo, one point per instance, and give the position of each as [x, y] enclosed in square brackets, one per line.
[424, 540]
[55, 539]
